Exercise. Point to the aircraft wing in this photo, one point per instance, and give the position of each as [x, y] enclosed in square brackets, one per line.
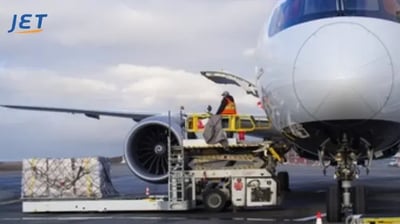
[89, 113]
[227, 78]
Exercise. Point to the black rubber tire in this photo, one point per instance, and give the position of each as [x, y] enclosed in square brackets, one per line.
[283, 179]
[214, 200]
[333, 205]
[358, 200]
[188, 193]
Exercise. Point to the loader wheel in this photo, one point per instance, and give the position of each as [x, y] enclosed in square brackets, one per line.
[283, 178]
[214, 200]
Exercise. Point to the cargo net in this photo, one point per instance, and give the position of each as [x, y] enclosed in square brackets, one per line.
[66, 178]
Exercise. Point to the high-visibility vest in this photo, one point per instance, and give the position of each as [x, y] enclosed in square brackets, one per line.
[230, 107]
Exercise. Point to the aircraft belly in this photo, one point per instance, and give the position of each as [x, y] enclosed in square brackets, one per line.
[377, 135]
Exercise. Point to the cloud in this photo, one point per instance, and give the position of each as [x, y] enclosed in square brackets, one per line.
[151, 88]
[200, 34]
[249, 52]
[128, 56]
[117, 23]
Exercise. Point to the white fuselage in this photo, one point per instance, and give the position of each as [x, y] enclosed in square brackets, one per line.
[330, 69]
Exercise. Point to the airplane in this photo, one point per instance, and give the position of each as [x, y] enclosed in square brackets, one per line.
[327, 76]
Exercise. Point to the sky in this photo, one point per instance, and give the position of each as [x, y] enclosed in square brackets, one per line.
[120, 55]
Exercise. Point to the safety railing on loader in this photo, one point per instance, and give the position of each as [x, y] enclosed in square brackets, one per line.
[232, 123]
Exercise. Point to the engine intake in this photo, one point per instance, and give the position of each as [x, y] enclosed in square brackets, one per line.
[146, 149]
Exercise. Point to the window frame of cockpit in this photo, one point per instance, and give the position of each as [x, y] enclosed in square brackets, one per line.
[279, 14]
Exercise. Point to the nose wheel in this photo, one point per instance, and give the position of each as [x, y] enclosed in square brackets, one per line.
[336, 206]
[344, 199]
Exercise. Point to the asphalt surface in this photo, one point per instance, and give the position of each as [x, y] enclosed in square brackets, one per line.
[307, 197]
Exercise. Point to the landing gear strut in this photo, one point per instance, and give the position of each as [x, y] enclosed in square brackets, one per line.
[343, 199]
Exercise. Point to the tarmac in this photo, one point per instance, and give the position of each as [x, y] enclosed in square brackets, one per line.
[306, 198]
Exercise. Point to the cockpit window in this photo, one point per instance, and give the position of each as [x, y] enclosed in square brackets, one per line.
[318, 6]
[384, 9]
[293, 12]
[361, 5]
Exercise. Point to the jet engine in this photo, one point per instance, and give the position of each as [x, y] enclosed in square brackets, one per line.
[146, 149]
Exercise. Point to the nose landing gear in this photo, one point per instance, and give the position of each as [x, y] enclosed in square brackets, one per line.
[344, 199]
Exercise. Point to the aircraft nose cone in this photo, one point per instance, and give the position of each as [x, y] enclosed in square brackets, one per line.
[343, 71]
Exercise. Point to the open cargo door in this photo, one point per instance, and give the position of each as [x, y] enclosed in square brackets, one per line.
[227, 78]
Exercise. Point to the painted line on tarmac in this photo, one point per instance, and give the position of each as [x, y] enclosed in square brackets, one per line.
[87, 218]
[260, 220]
[309, 218]
[10, 202]
[62, 218]
[76, 218]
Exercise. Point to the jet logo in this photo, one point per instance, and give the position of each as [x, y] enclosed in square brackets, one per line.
[27, 23]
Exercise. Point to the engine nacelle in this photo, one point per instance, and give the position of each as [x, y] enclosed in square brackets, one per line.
[146, 149]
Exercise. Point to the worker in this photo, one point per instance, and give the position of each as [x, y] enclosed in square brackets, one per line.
[227, 107]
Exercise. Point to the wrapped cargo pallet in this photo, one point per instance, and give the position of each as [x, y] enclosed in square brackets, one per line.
[66, 178]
